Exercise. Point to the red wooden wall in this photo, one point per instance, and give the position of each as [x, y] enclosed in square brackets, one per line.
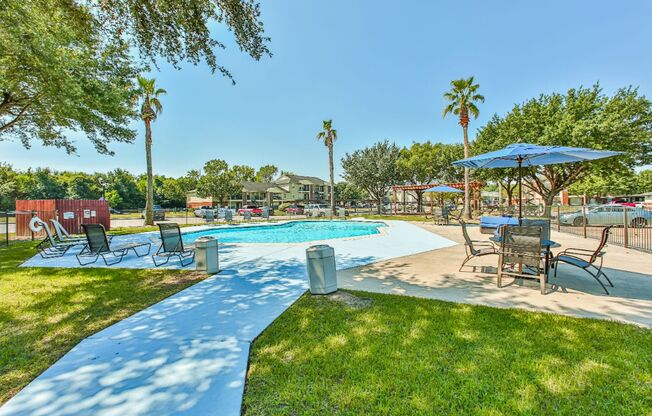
[71, 213]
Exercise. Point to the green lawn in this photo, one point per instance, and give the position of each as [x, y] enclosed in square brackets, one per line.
[409, 356]
[44, 312]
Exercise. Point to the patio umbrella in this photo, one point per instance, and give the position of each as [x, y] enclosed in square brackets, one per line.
[442, 189]
[518, 155]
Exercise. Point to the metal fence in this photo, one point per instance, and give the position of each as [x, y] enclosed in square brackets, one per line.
[632, 226]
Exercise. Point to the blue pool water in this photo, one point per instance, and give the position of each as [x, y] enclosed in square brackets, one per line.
[292, 232]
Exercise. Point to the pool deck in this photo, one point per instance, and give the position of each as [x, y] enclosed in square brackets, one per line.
[187, 355]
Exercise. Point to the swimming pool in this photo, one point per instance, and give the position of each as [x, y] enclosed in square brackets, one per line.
[291, 232]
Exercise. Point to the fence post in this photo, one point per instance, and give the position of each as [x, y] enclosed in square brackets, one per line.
[7, 227]
[625, 229]
[30, 228]
[558, 222]
[584, 219]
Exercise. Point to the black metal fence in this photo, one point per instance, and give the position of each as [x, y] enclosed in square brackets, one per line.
[632, 226]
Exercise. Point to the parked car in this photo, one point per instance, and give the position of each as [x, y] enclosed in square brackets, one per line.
[202, 211]
[114, 211]
[317, 210]
[295, 209]
[609, 214]
[255, 210]
[159, 213]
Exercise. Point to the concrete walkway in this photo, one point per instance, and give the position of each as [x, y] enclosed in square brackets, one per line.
[188, 354]
[435, 275]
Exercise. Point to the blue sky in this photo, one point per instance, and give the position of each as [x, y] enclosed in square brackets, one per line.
[378, 69]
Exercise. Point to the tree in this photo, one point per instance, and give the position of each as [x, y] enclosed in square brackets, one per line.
[113, 199]
[425, 163]
[8, 187]
[609, 183]
[373, 169]
[582, 117]
[80, 185]
[180, 31]
[328, 135]
[266, 173]
[70, 65]
[216, 182]
[124, 183]
[151, 106]
[57, 75]
[347, 192]
[462, 99]
[644, 181]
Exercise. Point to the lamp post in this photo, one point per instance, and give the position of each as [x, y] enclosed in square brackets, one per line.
[103, 185]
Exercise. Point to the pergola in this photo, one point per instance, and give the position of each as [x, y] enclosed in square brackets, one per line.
[474, 186]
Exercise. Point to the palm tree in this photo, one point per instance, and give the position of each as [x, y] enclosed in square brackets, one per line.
[462, 99]
[328, 135]
[150, 108]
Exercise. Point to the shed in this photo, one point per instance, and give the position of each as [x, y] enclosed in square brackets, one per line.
[71, 213]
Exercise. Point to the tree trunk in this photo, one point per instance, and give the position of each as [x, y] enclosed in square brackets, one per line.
[149, 201]
[467, 202]
[332, 173]
[379, 208]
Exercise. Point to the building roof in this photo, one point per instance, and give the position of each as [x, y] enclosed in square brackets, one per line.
[308, 180]
[261, 187]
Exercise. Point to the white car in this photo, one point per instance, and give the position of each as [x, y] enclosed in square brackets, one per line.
[201, 212]
[317, 210]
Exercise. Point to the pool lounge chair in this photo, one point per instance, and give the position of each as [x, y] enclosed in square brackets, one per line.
[97, 245]
[172, 245]
[50, 247]
[586, 259]
[475, 248]
[64, 236]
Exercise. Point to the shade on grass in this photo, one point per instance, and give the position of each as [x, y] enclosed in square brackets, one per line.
[44, 312]
[409, 356]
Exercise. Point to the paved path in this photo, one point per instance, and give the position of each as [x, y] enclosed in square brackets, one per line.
[188, 353]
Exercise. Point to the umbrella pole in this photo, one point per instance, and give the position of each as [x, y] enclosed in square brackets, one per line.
[520, 191]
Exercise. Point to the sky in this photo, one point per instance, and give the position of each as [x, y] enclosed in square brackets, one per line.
[378, 69]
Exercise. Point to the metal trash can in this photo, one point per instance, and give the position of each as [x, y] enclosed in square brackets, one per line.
[246, 215]
[265, 213]
[322, 276]
[228, 215]
[206, 256]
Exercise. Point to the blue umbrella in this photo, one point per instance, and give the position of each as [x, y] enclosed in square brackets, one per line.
[524, 154]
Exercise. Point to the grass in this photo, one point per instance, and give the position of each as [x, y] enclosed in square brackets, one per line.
[44, 312]
[409, 356]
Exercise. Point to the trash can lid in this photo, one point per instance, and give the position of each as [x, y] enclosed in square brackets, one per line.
[206, 241]
[320, 251]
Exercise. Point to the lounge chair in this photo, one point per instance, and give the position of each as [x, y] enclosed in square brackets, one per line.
[97, 245]
[586, 259]
[172, 245]
[50, 247]
[475, 248]
[64, 236]
[520, 254]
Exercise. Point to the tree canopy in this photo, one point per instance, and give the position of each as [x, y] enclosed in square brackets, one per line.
[373, 169]
[582, 117]
[68, 66]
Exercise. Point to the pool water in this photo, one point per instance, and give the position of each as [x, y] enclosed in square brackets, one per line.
[292, 232]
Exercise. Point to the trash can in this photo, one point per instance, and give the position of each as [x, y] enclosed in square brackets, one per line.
[266, 213]
[206, 257]
[246, 215]
[228, 215]
[341, 213]
[321, 269]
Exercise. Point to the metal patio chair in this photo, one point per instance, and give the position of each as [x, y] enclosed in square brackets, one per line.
[520, 254]
[475, 248]
[587, 260]
[172, 245]
[50, 247]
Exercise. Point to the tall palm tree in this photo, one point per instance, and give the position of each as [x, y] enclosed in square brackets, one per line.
[328, 135]
[150, 108]
[462, 99]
